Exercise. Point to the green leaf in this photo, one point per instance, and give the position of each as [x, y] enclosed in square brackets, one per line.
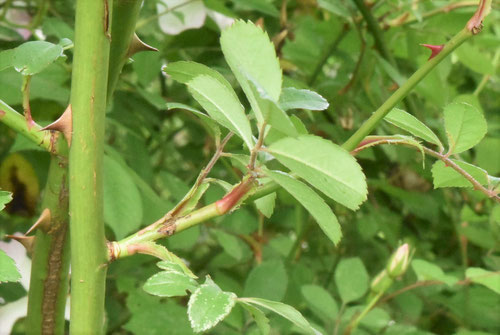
[266, 204]
[209, 305]
[122, 200]
[475, 59]
[314, 204]
[5, 198]
[445, 176]
[465, 126]
[174, 263]
[258, 283]
[325, 166]
[429, 271]
[320, 301]
[230, 243]
[293, 98]
[32, 57]
[8, 269]
[250, 54]
[263, 6]
[222, 105]
[184, 72]
[487, 278]
[286, 311]
[209, 124]
[170, 284]
[411, 124]
[351, 279]
[259, 317]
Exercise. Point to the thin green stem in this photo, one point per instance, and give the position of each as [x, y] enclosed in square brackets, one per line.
[354, 324]
[403, 91]
[88, 101]
[43, 138]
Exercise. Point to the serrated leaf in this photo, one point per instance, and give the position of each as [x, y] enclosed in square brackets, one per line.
[314, 204]
[32, 57]
[172, 262]
[260, 318]
[429, 271]
[185, 71]
[209, 305]
[294, 98]
[484, 277]
[445, 176]
[222, 105]
[324, 165]
[5, 198]
[465, 126]
[411, 124]
[320, 301]
[351, 279]
[122, 200]
[286, 311]
[170, 284]
[8, 269]
[249, 53]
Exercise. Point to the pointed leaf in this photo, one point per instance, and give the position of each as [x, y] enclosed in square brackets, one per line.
[184, 72]
[487, 278]
[222, 105]
[325, 166]
[266, 204]
[430, 271]
[286, 311]
[8, 269]
[465, 126]
[209, 305]
[31, 57]
[249, 52]
[320, 301]
[411, 124]
[5, 198]
[314, 204]
[170, 284]
[445, 176]
[259, 317]
[293, 98]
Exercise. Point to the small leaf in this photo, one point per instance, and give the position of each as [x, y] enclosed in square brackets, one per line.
[209, 124]
[222, 105]
[258, 284]
[314, 204]
[487, 278]
[351, 279]
[5, 198]
[122, 200]
[320, 301]
[173, 262]
[209, 305]
[184, 72]
[411, 124]
[429, 271]
[230, 243]
[286, 311]
[266, 204]
[293, 98]
[259, 317]
[170, 284]
[250, 54]
[32, 57]
[465, 126]
[8, 269]
[445, 176]
[325, 166]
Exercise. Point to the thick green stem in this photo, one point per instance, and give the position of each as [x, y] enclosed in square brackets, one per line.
[43, 138]
[50, 263]
[403, 91]
[88, 100]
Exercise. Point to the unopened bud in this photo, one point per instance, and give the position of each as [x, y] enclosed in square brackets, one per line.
[399, 261]
[381, 282]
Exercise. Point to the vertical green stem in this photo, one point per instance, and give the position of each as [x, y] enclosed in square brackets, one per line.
[397, 96]
[88, 100]
[51, 255]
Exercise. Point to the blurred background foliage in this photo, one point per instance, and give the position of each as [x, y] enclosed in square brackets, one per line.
[155, 154]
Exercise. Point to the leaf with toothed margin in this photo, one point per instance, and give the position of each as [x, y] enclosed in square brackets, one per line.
[31, 57]
[445, 176]
[250, 53]
[5, 198]
[465, 126]
[170, 284]
[209, 305]
[8, 269]
[222, 105]
[185, 71]
[324, 165]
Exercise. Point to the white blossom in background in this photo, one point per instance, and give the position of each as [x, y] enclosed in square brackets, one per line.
[187, 14]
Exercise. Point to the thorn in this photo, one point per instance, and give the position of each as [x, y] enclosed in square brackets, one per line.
[42, 221]
[64, 124]
[26, 241]
[137, 46]
[435, 49]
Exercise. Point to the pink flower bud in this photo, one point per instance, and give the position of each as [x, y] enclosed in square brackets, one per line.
[399, 261]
